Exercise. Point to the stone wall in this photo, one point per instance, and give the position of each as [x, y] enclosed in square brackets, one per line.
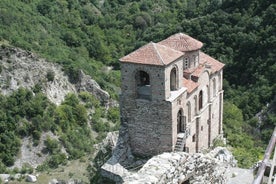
[152, 121]
[148, 120]
[176, 167]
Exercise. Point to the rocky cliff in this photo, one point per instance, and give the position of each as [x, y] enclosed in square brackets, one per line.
[20, 68]
[168, 167]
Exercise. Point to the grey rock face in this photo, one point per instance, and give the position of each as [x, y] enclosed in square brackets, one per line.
[24, 69]
[86, 83]
[168, 167]
[21, 68]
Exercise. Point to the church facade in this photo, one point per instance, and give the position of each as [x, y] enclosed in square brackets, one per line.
[172, 96]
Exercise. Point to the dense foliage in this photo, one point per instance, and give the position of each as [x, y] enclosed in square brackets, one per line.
[24, 114]
[90, 34]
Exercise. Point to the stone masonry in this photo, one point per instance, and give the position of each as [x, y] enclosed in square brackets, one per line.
[171, 109]
[171, 97]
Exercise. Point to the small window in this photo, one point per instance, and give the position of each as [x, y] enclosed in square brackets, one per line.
[194, 138]
[186, 63]
[200, 100]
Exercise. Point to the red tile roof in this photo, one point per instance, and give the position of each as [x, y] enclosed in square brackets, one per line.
[170, 49]
[205, 61]
[200, 68]
[182, 42]
[214, 64]
[152, 54]
[190, 85]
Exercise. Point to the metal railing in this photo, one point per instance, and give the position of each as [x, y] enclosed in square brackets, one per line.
[260, 174]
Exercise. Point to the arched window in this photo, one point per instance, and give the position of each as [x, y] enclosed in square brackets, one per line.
[143, 85]
[200, 100]
[189, 111]
[214, 87]
[143, 78]
[186, 63]
[173, 79]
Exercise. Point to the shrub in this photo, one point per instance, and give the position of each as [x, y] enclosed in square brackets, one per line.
[42, 167]
[37, 88]
[56, 160]
[50, 75]
[52, 145]
[113, 114]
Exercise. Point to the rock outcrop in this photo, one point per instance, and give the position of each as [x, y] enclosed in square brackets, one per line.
[86, 83]
[20, 68]
[168, 167]
[177, 167]
[24, 69]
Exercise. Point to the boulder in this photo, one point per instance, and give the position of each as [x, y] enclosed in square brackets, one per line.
[31, 178]
[5, 177]
[53, 181]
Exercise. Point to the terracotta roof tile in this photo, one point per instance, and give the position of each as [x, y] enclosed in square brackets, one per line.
[198, 70]
[152, 54]
[190, 85]
[214, 64]
[182, 42]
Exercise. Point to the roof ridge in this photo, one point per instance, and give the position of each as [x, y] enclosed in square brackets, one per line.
[159, 55]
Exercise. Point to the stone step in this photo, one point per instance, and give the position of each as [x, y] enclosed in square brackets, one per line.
[180, 142]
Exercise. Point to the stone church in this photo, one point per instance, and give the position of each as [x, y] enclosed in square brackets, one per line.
[172, 96]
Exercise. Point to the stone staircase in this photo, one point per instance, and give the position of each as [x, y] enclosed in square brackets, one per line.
[180, 142]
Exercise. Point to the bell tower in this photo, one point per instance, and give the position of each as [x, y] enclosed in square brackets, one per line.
[151, 78]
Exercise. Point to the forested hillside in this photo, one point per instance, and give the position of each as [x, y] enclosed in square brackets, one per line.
[93, 34]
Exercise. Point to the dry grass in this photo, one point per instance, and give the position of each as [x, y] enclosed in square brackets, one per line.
[75, 169]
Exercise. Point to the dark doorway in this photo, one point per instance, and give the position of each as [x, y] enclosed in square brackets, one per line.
[181, 126]
[197, 135]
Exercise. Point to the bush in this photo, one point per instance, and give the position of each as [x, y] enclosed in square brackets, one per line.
[37, 88]
[100, 126]
[26, 169]
[52, 145]
[90, 100]
[113, 114]
[42, 167]
[218, 142]
[50, 75]
[56, 160]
